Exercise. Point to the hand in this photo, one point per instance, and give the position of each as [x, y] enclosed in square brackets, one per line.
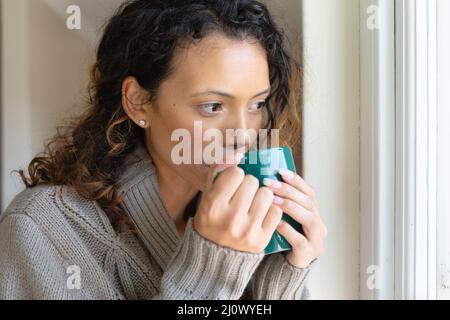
[297, 199]
[235, 212]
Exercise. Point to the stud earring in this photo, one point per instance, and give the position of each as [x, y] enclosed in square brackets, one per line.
[142, 123]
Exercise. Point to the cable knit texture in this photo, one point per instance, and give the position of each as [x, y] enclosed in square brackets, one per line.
[56, 245]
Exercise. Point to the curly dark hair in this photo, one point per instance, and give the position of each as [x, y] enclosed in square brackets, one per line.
[140, 40]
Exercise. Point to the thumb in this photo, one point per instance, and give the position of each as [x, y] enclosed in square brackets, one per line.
[216, 169]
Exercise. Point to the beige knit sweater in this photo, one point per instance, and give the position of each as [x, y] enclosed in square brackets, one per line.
[56, 245]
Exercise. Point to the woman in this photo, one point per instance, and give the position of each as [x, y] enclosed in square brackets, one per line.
[107, 214]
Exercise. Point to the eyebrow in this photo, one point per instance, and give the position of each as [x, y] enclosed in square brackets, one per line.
[225, 94]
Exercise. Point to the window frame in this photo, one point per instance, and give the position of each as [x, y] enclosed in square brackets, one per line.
[399, 125]
[377, 170]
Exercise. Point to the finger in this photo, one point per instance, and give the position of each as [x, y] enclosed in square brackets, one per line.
[297, 182]
[244, 195]
[212, 172]
[228, 163]
[295, 238]
[287, 191]
[215, 169]
[227, 183]
[261, 204]
[272, 219]
[298, 213]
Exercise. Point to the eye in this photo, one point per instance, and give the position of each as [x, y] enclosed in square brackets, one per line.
[258, 106]
[211, 108]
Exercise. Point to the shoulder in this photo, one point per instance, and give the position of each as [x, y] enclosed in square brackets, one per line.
[44, 231]
[60, 220]
[51, 205]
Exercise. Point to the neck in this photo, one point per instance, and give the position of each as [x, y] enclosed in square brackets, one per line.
[175, 191]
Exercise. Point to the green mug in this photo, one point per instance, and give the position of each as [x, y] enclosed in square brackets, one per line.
[265, 163]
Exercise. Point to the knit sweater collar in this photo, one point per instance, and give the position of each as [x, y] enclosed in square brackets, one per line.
[143, 204]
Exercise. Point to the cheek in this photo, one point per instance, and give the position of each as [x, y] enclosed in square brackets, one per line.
[191, 126]
[160, 134]
[166, 123]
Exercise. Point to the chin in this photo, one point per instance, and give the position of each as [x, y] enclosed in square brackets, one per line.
[201, 177]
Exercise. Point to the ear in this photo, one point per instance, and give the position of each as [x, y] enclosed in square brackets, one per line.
[135, 102]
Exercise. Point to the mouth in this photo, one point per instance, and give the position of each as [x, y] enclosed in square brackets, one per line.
[228, 155]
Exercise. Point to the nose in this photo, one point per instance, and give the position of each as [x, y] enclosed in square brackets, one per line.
[240, 132]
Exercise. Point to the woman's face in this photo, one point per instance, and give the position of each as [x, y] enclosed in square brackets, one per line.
[219, 83]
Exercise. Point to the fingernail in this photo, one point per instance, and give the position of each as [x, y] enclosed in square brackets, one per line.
[239, 157]
[278, 200]
[221, 167]
[272, 183]
[286, 173]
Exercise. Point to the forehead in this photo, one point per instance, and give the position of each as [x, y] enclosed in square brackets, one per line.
[229, 64]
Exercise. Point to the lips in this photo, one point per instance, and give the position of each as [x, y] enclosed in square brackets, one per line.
[227, 157]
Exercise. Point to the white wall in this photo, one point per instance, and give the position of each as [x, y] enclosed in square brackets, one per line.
[45, 70]
[40, 82]
[331, 147]
[330, 32]
[16, 118]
